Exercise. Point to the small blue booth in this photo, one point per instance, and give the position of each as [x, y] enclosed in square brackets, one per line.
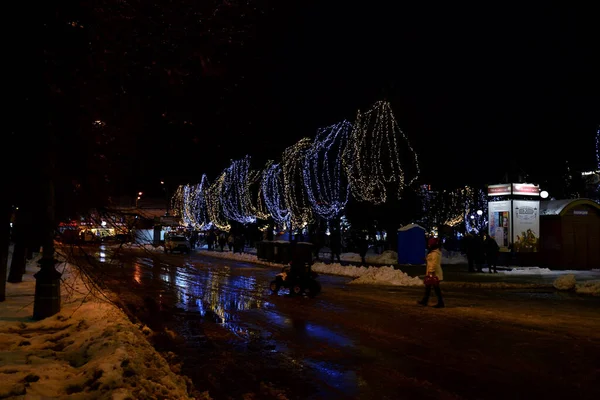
[411, 244]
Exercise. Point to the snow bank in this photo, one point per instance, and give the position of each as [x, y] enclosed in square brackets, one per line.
[89, 349]
[338, 269]
[369, 275]
[565, 282]
[386, 276]
[590, 287]
[568, 282]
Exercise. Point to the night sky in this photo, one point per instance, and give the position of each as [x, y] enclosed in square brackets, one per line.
[184, 86]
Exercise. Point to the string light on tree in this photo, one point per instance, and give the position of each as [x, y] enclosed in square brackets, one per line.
[598, 149]
[373, 156]
[271, 188]
[294, 190]
[199, 208]
[260, 210]
[235, 195]
[476, 210]
[178, 202]
[326, 184]
[214, 208]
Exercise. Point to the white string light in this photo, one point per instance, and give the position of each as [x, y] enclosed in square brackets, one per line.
[326, 184]
[235, 197]
[271, 188]
[178, 203]
[213, 202]
[199, 207]
[598, 148]
[476, 200]
[294, 190]
[373, 158]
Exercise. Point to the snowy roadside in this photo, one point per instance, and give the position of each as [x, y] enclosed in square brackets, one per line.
[390, 275]
[89, 350]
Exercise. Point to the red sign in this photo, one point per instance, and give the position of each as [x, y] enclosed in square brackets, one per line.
[520, 189]
[526, 189]
[499, 190]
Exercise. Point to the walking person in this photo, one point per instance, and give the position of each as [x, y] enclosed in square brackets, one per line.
[363, 247]
[335, 245]
[434, 275]
[470, 249]
[492, 250]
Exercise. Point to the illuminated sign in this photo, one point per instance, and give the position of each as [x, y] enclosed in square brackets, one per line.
[527, 189]
[499, 190]
[519, 189]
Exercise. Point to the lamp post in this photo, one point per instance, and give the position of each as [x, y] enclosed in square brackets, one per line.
[165, 189]
[138, 199]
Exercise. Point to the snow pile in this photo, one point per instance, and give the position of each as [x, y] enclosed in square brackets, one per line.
[568, 282]
[340, 270]
[89, 349]
[531, 270]
[387, 276]
[368, 275]
[589, 287]
[388, 257]
[137, 246]
[244, 257]
[565, 282]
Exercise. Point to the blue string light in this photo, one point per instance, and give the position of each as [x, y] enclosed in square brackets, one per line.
[272, 193]
[326, 185]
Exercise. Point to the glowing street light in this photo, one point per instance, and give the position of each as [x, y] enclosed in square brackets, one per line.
[479, 212]
[543, 194]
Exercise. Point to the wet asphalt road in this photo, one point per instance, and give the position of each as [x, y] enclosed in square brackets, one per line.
[232, 337]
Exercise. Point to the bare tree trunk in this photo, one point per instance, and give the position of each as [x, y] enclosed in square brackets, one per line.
[47, 280]
[4, 245]
[18, 262]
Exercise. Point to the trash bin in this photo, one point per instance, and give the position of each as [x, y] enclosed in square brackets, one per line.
[260, 250]
[302, 253]
[268, 251]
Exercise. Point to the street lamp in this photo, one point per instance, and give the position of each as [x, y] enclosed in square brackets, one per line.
[544, 194]
[479, 212]
[138, 199]
[164, 187]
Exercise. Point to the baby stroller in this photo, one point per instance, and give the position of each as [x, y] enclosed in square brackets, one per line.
[298, 276]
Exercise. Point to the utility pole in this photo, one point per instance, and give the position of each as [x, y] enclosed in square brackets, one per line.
[47, 279]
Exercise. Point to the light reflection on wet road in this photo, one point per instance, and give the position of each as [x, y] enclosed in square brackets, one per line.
[236, 298]
[342, 345]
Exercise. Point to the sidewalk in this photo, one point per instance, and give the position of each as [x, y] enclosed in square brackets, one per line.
[457, 271]
[90, 349]
[391, 274]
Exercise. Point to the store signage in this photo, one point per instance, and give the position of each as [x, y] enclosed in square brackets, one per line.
[519, 189]
[526, 189]
[169, 220]
[499, 190]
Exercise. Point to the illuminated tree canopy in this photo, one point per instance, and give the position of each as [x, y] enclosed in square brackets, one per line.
[374, 157]
[326, 184]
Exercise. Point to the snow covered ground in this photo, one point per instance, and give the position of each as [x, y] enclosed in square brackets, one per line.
[89, 350]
